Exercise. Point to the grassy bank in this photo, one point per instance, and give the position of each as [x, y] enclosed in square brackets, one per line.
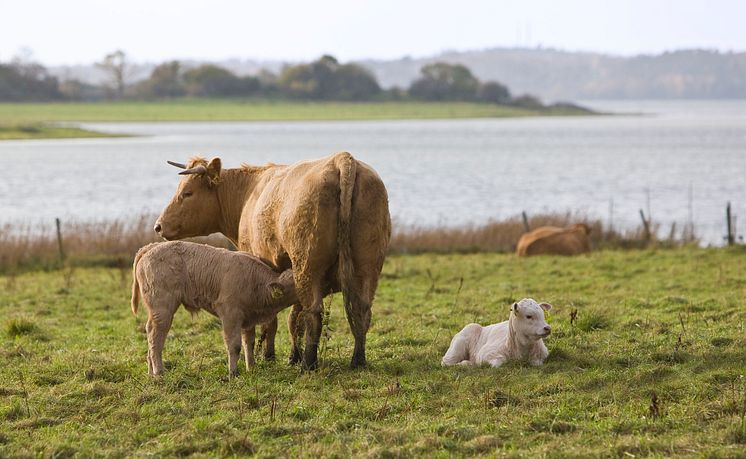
[259, 110]
[45, 131]
[665, 323]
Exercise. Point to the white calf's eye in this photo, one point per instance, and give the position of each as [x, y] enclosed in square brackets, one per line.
[529, 317]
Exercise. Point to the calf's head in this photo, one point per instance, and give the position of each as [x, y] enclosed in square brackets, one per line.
[527, 317]
[282, 290]
[195, 209]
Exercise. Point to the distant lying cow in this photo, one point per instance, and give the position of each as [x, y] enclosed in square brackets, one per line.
[518, 338]
[550, 240]
[234, 286]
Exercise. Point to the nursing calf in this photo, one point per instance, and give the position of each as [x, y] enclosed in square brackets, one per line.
[518, 338]
[236, 287]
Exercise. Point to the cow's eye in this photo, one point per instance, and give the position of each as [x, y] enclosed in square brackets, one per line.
[186, 194]
[529, 317]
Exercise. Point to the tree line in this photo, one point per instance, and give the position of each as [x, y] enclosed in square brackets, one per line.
[325, 79]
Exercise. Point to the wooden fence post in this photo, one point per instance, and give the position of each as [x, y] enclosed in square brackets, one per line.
[526, 228]
[729, 224]
[646, 226]
[59, 239]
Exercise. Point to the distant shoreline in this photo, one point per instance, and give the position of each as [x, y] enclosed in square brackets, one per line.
[37, 120]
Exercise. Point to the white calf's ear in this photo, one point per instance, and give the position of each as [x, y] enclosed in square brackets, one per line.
[545, 306]
[277, 290]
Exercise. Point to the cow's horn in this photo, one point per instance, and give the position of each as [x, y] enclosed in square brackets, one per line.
[195, 170]
[179, 165]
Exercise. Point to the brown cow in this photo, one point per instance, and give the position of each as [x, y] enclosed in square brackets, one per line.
[328, 219]
[551, 240]
[236, 287]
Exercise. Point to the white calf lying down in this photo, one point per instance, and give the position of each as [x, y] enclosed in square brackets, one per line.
[518, 338]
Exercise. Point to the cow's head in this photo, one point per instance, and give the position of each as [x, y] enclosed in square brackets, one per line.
[195, 209]
[583, 228]
[528, 319]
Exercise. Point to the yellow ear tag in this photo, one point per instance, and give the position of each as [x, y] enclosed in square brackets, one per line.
[277, 292]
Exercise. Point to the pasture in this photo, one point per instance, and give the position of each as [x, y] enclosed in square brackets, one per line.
[259, 110]
[647, 357]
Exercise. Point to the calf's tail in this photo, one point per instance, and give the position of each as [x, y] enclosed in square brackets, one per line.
[135, 286]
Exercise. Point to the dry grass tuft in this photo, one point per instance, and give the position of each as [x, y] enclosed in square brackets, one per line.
[113, 243]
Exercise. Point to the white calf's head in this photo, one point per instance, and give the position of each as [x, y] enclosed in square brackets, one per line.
[528, 320]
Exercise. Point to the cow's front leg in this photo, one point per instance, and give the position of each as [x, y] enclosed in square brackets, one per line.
[313, 336]
[295, 331]
[311, 298]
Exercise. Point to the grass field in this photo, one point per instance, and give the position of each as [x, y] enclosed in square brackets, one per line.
[665, 322]
[42, 131]
[256, 110]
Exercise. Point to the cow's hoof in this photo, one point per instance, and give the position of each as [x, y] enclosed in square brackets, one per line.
[358, 364]
[310, 366]
[270, 357]
[295, 357]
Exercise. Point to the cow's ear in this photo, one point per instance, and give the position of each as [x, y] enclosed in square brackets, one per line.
[545, 306]
[276, 290]
[213, 171]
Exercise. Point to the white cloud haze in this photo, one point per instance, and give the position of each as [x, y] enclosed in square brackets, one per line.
[82, 31]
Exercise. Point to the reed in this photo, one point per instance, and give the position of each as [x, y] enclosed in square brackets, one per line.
[27, 246]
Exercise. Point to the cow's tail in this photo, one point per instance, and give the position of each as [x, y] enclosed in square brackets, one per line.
[347, 172]
[135, 285]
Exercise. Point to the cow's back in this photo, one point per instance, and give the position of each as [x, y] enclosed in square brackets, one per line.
[566, 242]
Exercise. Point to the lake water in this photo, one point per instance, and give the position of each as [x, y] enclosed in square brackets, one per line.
[439, 172]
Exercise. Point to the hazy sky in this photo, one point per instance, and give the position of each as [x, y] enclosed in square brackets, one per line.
[82, 31]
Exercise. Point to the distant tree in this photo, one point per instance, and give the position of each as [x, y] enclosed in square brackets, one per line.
[164, 81]
[78, 90]
[23, 80]
[327, 79]
[493, 92]
[118, 70]
[527, 101]
[442, 81]
[213, 81]
[353, 82]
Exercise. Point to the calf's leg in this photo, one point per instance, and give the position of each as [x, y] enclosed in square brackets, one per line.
[457, 353]
[269, 330]
[247, 336]
[232, 339]
[159, 323]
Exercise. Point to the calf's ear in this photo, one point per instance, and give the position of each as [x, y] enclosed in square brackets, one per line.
[545, 306]
[277, 290]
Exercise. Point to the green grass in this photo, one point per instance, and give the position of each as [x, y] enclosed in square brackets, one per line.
[73, 374]
[256, 110]
[44, 131]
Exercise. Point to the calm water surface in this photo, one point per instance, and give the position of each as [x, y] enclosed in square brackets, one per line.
[448, 172]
